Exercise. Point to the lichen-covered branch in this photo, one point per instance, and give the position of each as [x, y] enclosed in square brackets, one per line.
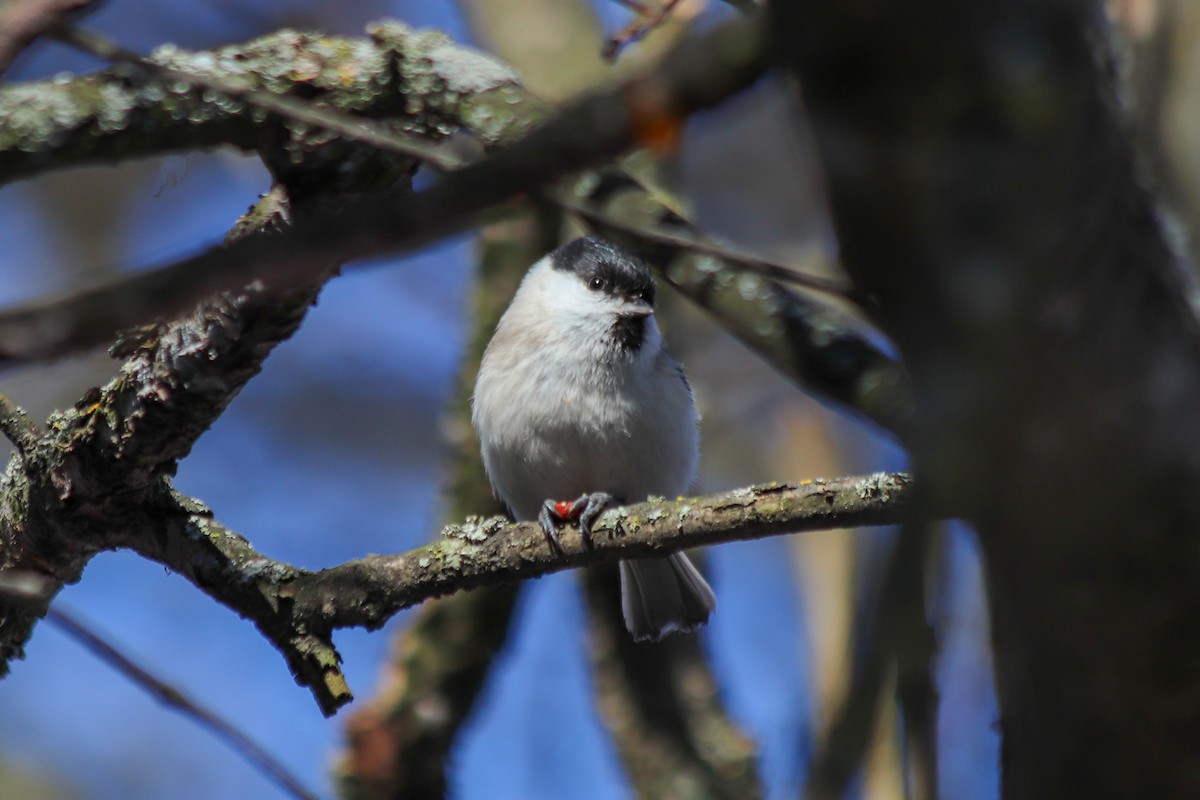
[298, 610]
[483, 551]
[288, 109]
[415, 79]
[699, 74]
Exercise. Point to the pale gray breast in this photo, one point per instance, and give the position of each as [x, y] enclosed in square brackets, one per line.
[559, 429]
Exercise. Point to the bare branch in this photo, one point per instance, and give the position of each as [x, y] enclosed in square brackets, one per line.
[915, 650]
[485, 551]
[298, 610]
[172, 697]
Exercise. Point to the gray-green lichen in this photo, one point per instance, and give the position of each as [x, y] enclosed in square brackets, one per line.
[878, 486]
[349, 74]
[441, 80]
[474, 528]
[419, 81]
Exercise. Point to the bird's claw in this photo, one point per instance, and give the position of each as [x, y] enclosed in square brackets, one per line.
[594, 506]
[549, 519]
[583, 510]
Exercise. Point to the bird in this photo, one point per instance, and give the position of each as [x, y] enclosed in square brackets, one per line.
[579, 405]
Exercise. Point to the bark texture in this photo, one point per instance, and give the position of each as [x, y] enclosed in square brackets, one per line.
[985, 190]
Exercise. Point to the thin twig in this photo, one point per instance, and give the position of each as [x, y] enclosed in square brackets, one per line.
[169, 696]
[636, 6]
[354, 128]
[818, 345]
[687, 241]
[647, 20]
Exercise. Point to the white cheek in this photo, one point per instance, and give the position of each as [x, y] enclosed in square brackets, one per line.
[566, 297]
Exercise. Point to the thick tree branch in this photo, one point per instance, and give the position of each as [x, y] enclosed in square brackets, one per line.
[701, 73]
[298, 610]
[414, 78]
[292, 109]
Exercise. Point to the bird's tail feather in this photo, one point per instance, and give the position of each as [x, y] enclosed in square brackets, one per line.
[661, 595]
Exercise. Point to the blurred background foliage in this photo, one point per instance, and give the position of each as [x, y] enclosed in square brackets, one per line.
[337, 449]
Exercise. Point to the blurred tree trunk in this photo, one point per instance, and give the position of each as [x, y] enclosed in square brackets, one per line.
[984, 189]
[399, 743]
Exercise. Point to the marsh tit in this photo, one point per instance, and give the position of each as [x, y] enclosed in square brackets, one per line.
[579, 405]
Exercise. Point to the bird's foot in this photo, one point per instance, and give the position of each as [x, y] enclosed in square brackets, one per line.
[584, 510]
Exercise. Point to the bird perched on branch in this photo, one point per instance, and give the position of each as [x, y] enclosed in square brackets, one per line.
[579, 405]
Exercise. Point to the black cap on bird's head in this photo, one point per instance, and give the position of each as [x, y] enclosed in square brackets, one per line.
[604, 267]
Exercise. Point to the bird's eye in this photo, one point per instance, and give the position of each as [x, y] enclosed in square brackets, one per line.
[596, 284]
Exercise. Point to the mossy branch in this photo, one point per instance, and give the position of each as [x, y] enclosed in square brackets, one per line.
[297, 610]
[244, 95]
